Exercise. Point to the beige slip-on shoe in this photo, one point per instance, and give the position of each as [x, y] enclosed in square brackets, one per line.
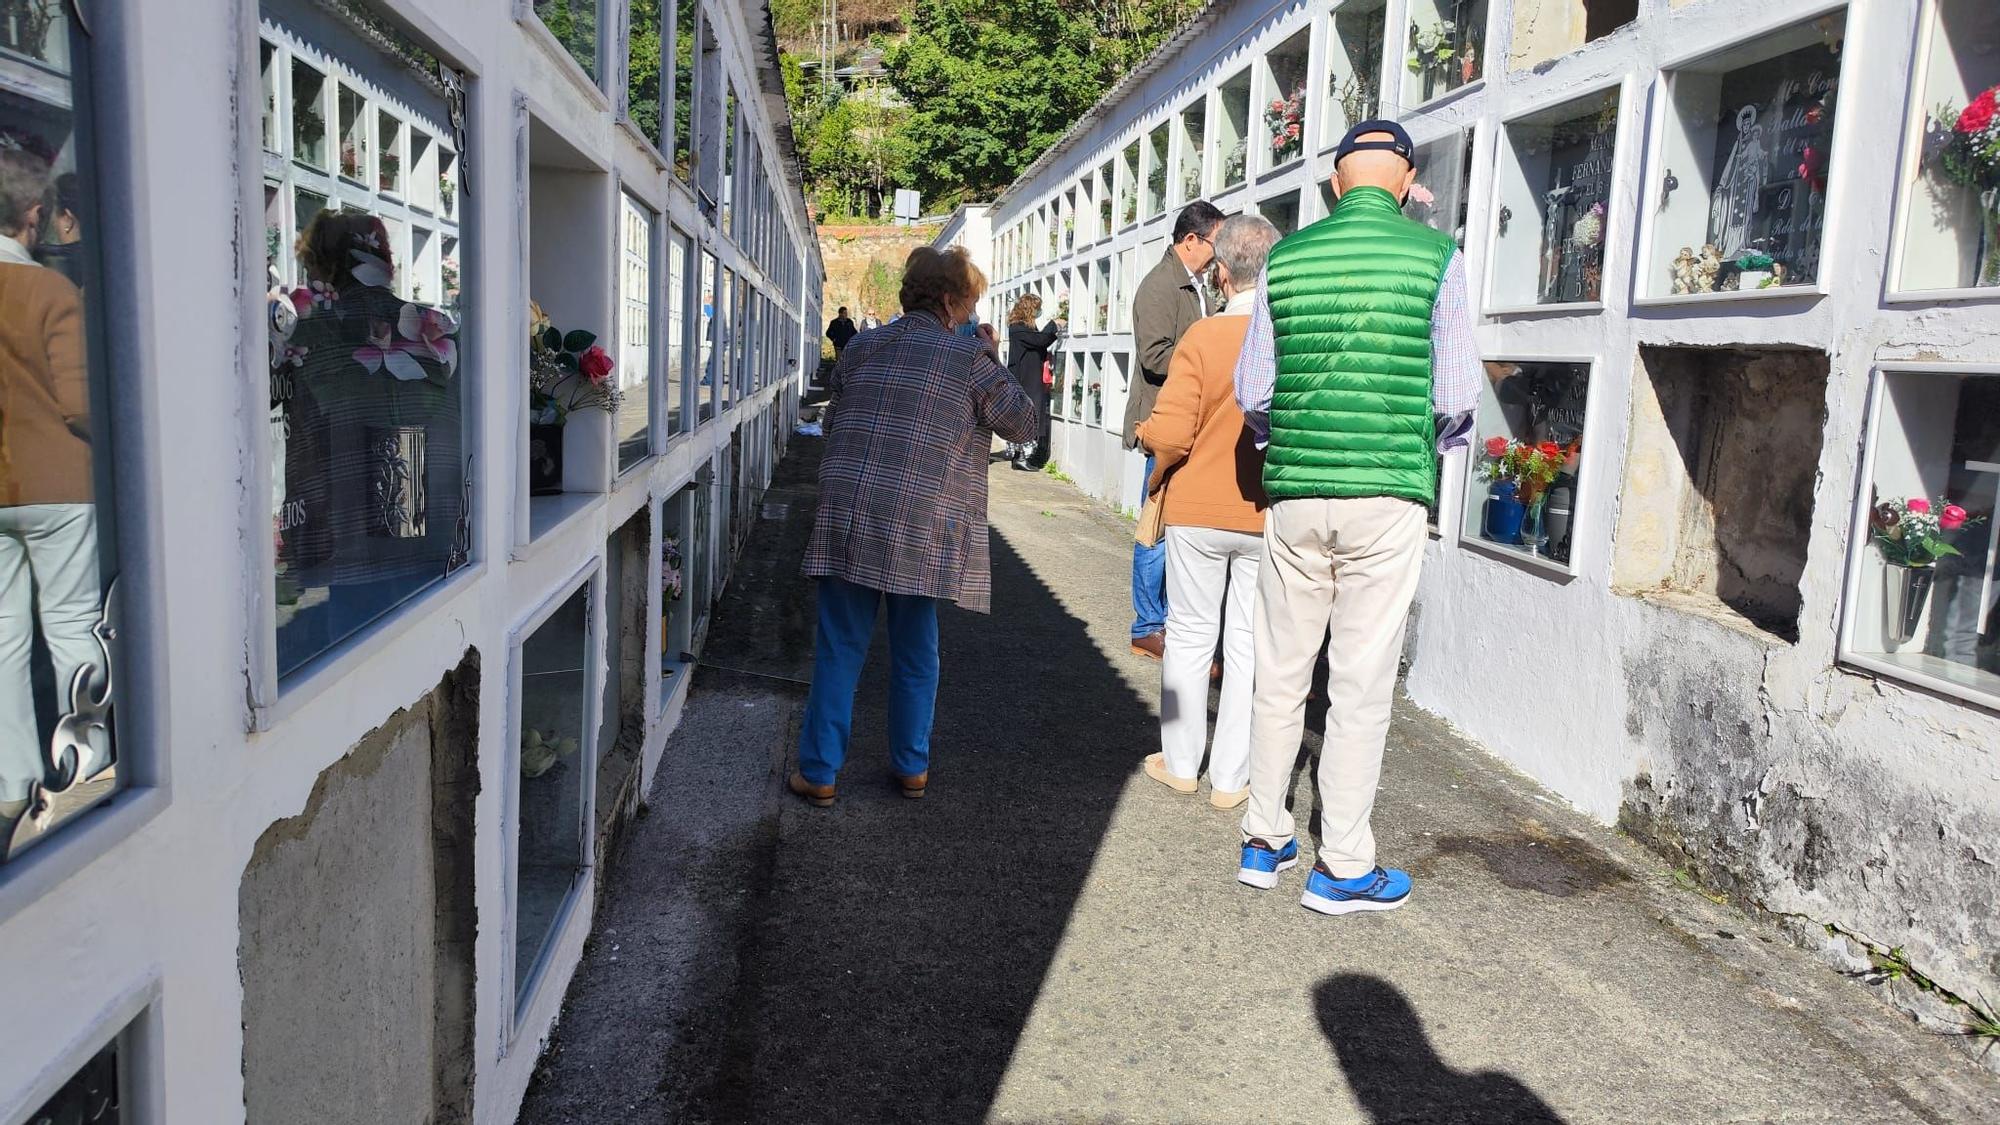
[1156, 768]
[1227, 798]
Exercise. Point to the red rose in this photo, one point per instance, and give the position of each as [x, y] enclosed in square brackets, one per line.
[1917, 504]
[595, 363]
[1952, 518]
[1496, 447]
[1978, 114]
[1550, 450]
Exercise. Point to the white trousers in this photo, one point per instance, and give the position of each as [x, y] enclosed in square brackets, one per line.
[1350, 566]
[1211, 593]
[48, 579]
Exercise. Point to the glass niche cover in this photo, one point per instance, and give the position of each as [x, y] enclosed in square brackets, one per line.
[1927, 600]
[370, 494]
[1951, 232]
[1440, 197]
[1745, 150]
[1554, 210]
[1527, 445]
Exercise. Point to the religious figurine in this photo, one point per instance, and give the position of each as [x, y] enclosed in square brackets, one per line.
[1778, 273]
[1552, 244]
[1707, 266]
[1734, 202]
[1683, 271]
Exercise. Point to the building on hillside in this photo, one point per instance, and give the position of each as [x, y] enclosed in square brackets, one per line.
[1738, 262]
[350, 642]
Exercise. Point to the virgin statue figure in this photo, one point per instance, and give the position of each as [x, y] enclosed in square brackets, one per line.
[1735, 199]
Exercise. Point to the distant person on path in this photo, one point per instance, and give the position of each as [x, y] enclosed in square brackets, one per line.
[840, 330]
[869, 322]
[1359, 367]
[1028, 349]
[1209, 477]
[1170, 299]
[902, 512]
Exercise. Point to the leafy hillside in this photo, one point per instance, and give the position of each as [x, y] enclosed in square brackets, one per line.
[972, 91]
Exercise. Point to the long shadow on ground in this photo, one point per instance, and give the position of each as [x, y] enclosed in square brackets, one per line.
[906, 941]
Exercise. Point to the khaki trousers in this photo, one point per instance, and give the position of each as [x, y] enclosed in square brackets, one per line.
[1351, 566]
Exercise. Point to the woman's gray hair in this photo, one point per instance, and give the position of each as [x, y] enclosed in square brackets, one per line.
[1241, 244]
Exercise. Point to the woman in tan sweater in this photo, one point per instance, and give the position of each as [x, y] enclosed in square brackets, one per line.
[1209, 474]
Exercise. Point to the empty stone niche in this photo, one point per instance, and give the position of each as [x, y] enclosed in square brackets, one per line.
[1545, 30]
[1719, 476]
[357, 922]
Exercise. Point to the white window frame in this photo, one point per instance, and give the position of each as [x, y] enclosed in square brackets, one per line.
[1586, 470]
[1860, 542]
[521, 989]
[1661, 102]
[1614, 209]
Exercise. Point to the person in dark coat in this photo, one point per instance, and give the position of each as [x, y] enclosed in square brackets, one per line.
[840, 330]
[1028, 349]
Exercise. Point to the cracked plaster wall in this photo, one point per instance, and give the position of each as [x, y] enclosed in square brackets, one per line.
[1805, 788]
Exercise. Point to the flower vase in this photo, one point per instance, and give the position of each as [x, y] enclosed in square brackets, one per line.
[1989, 238]
[1905, 592]
[1531, 527]
[1504, 513]
[1749, 280]
[545, 459]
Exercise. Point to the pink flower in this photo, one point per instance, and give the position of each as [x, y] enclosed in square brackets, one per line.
[1421, 194]
[427, 334]
[595, 363]
[1953, 517]
[1918, 505]
[1496, 447]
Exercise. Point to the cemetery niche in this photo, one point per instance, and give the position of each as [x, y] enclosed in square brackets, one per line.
[1743, 180]
[1555, 204]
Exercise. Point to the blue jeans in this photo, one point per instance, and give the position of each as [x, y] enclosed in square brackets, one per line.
[1149, 583]
[846, 626]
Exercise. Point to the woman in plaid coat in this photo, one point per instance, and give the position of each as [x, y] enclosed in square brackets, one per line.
[902, 510]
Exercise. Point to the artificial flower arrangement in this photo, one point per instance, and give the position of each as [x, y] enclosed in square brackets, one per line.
[447, 191]
[1758, 270]
[1436, 55]
[1233, 163]
[1588, 230]
[1284, 122]
[1356, 97]
[1131, 208]
[350, 160]
[1963, 148]
[308, 123]
[567, 372]
[387, 166]
[1910, 533]
[1529, 468]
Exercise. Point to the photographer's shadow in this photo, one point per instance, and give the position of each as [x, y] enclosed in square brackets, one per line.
[1397, 1075]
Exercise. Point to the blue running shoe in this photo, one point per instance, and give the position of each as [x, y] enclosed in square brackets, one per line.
[1262, 863]
[1377, 890]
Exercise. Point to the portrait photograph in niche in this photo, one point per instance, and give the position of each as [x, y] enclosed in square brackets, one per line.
[1762, 128]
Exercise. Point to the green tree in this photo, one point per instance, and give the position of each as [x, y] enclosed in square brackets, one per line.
[991, 84]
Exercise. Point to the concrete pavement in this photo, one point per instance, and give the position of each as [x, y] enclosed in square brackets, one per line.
[1050, 937]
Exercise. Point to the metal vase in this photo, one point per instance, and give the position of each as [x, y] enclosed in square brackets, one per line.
[398, 503]
[1905, 591]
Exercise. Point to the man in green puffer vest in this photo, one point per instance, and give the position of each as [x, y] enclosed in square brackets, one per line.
[1359, 368]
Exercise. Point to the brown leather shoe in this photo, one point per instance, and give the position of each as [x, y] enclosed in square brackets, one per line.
[820, 795]
[913, 787]
[1152, 644]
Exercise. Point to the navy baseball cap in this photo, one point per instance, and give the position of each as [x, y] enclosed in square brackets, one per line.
[1399, 142]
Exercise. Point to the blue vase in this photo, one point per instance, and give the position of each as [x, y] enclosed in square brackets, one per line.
[1504, 513]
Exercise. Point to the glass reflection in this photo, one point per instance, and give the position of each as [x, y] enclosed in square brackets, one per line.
[554, 771]
[368, 505]
[56, 752]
